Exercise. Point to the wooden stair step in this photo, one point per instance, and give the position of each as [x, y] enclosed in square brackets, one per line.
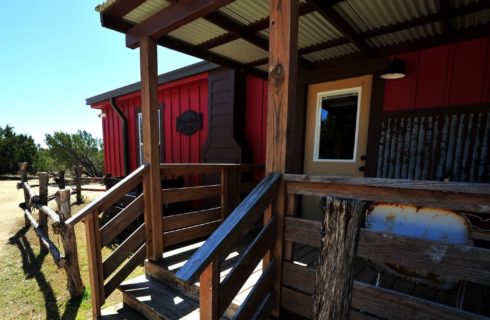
[156, 300]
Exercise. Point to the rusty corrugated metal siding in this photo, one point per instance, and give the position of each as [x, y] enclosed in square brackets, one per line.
[435, 146]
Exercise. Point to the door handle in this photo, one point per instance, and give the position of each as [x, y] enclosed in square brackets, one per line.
[362, 168]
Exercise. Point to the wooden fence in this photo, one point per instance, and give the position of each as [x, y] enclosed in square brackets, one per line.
[68, 260]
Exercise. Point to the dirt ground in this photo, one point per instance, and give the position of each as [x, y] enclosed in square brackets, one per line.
[12, 216]
[10, 197]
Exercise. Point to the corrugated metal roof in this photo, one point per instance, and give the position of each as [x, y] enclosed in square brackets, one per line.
[472, 20]
[313, 28]
[420, 32]
[241, 50]
[367, 15]
[146, 10]
[333, 52]
[247, 12]
[198, 31]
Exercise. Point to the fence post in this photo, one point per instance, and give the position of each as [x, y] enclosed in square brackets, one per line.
[43, 198]
[23, 178]
[61, 181]
[68, 238]
[78, 182]
[335, 269]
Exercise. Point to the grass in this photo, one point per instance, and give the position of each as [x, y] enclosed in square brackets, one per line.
[32, 286]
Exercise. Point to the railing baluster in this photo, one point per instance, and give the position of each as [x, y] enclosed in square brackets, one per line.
[208, 291]
[92, 231]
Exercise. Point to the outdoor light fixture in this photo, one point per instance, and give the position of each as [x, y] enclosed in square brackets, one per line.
[102, 114]
[395, 70]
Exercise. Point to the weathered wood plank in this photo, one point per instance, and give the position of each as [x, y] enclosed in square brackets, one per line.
[335, 268]
[137, 259]
[298, 277]
[297, 302]
[190, 219]
[114, 260]
[303, 231]
[246, 264]
[259, 293]
[43, 201]
[112, 195]
[456, 261]
[171, 238]
[119, 222]
[190, 193]
[393, 305]
[451, 195]
[239, 221]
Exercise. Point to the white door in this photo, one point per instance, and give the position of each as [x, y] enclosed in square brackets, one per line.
[336, 131]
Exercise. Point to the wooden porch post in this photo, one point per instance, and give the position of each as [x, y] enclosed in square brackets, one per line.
[283, 57]
[151, 182]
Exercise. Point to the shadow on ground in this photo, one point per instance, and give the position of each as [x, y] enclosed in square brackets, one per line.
[32, 264]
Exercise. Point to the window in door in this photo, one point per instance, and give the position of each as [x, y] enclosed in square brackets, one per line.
[337, 120]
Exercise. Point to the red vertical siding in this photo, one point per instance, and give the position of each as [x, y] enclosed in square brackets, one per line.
[455, 74]
[176, 97]
[256, 117]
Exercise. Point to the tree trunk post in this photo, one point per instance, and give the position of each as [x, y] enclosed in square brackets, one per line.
[68, 239]
[43, 197]
[23, 178]
[78, 182]
[335, 269]
[61, 183]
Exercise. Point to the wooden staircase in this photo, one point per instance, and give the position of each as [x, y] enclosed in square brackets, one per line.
[159, 294]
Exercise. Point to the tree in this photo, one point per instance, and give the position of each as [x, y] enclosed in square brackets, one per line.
[80, 148]
[15, 148]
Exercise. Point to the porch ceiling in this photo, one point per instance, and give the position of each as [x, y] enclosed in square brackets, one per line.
[235, 33]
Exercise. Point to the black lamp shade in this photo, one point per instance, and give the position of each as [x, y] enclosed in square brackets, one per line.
[395, 70]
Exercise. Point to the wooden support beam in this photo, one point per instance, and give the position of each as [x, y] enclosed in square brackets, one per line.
[328, 12]
[208, 291]
[257, 26]
[181, 46]
[283, 57]
[171, 18]
[151, 155]
[120, 8]
[447, 28]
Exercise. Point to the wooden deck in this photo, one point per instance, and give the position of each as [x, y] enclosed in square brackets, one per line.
[174, 304]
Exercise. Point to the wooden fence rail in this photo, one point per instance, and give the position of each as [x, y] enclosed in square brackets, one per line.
[462, 262]
[68, 260]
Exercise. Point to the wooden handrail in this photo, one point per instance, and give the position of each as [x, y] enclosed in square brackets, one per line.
[247, 212]
[110, 195]
[452, 195]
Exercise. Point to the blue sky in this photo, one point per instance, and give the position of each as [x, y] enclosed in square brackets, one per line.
[55, 54]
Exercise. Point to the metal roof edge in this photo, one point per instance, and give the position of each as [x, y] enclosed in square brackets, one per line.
[170, 76]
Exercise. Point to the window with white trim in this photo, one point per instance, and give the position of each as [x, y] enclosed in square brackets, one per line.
[336, 125]
[140, 134]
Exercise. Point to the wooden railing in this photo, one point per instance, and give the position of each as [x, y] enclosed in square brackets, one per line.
[226, 188]
[457, 261]
[216, 296]
[106, 274]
